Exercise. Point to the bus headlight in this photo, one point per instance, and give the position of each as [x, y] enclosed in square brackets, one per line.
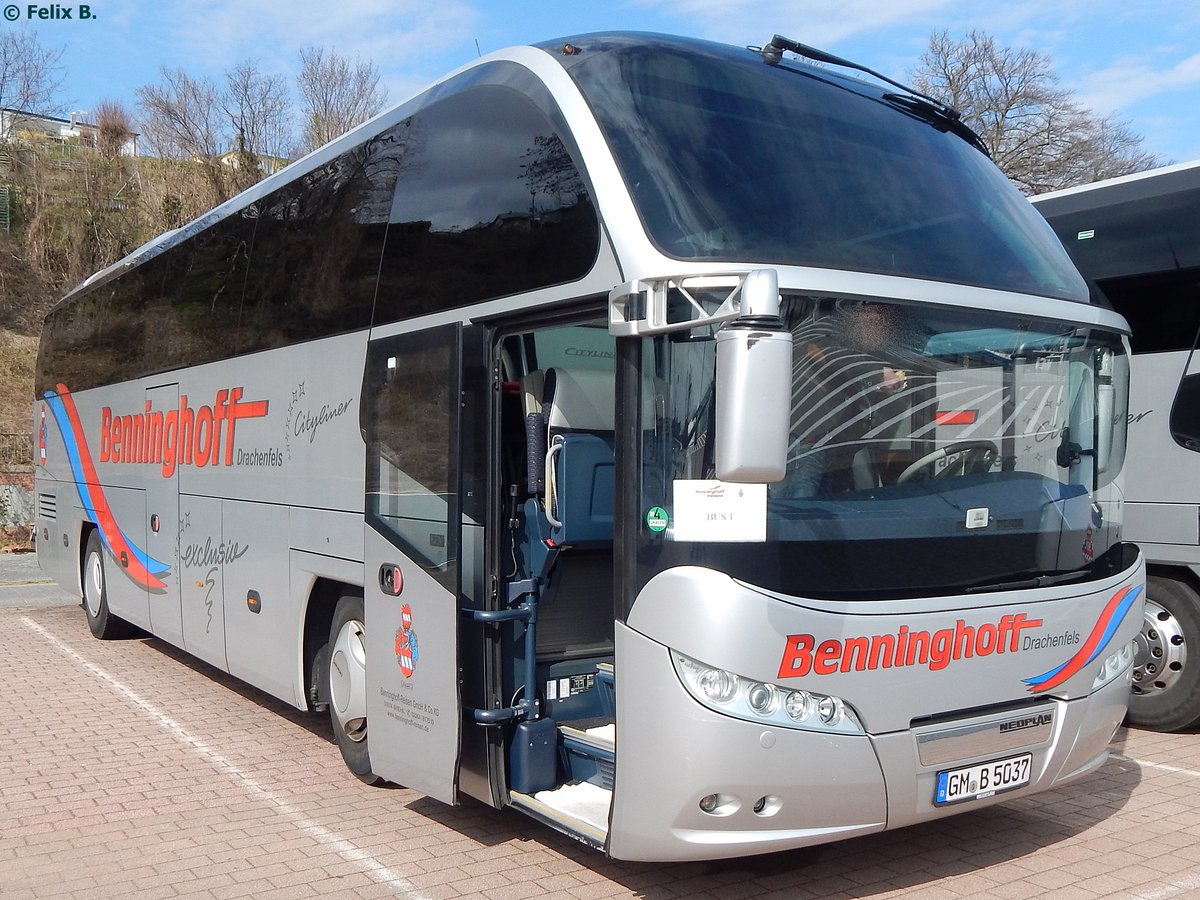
[718, 685]
[1117, 664]
[762, 698]
[763, 702]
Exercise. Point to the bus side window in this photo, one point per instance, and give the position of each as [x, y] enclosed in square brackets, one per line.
[489, 202]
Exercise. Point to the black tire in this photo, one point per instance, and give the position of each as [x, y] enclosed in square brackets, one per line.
[100, 619]
[1166, 685]
[345, 681]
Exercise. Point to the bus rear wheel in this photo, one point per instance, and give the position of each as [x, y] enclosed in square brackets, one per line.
[100, 619]
[1166, 666]
[348, 686]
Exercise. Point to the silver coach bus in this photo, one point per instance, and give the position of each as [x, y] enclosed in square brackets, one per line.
[703, 452]
[1138, 238]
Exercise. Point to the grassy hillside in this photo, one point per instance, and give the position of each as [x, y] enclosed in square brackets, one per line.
[18, 354]
[24, 299]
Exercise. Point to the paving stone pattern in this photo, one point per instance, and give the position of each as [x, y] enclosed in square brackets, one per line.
[128, 770]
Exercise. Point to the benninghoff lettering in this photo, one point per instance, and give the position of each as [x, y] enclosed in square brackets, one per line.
[181, 437]
[803, 656]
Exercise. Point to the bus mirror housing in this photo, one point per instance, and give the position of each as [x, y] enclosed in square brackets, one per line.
[754, 387]
[754, 358]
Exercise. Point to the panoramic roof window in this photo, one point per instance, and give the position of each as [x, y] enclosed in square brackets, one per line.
[728, 158]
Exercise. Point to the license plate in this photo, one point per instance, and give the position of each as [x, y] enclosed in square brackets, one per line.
[983, 780]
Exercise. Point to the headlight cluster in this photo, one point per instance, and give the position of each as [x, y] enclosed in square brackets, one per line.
[1117, 664]
[759, 701]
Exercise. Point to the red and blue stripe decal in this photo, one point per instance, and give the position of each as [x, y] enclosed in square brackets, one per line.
[1097, 642]
[135, 562]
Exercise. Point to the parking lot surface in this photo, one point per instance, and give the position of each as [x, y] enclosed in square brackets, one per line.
[127, 769]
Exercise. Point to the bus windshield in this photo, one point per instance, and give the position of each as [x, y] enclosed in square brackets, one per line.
[727, 158]
[915, 431]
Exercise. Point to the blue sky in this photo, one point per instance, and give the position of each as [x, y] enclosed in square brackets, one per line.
[1139, 60]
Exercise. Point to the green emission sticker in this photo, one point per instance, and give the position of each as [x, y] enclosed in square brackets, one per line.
[656, 519]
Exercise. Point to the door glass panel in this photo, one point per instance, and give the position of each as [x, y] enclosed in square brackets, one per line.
[410, 405]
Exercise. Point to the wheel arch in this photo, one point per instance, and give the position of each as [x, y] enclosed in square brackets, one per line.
[86, 528]
[1166, 674]
[1176, 572]
[318, 617]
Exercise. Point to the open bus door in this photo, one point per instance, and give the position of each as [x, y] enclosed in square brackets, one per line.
[411, 423]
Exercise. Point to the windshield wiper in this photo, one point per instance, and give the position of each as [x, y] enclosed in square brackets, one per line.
[1036, 581]
[935, 112]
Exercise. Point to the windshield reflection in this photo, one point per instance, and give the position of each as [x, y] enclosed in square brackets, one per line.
[915, 428]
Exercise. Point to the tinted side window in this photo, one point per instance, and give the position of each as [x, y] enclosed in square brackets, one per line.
[97, 339]
[176, 309]
[192, 294]
[1162, 310]
[297, 265]
[316, 254]
[489, 203]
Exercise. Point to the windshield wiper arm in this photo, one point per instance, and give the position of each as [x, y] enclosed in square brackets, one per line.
[1036, 581]
[928, 108]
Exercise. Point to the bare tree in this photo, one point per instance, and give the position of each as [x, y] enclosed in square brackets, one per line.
[335, 94]
[30, 75]
[1039, 136]
[259, 111]
[235, 133]
[182, 118]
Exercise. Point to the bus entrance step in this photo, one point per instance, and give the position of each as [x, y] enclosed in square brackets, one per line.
[580, 810]
[589, 751]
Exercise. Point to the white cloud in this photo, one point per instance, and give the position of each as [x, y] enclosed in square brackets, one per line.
[1132, 79]
[399, 36]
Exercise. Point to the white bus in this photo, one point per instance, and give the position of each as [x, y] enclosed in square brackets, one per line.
[1138, 238]
[705, 453]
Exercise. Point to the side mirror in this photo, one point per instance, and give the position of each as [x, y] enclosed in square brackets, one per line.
[1185, 413]
[754, 387]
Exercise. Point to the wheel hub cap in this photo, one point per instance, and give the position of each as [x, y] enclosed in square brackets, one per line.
[1160, 651]
[348, 681]
[93, 584]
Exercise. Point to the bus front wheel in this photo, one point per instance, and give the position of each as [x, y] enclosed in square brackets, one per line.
[100, 619]
[348, 686]
[1166, 667]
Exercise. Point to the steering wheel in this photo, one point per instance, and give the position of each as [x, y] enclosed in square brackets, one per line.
[980, 456]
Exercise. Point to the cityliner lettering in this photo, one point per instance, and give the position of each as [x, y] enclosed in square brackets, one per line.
[906, 648]
[179, 437]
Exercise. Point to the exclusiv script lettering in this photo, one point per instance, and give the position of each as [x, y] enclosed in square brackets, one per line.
[210, 553]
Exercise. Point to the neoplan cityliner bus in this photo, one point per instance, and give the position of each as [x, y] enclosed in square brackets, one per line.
[1138, 238]
[702, 452]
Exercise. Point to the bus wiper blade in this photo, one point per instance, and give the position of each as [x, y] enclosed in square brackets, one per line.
[938, 115]
[1037, 581]
[929, 109]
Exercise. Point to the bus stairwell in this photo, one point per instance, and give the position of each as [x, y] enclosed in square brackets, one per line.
[562, 756]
